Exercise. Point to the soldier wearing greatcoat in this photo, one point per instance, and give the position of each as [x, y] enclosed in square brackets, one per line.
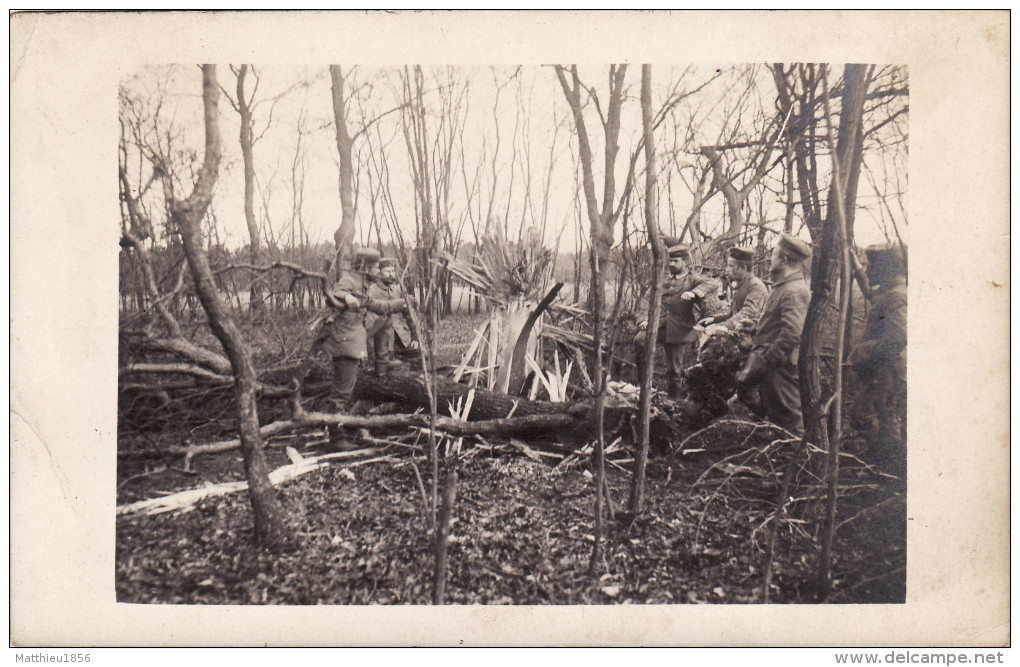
[685, 296]
[384, 330]
[879, 359]
[343, 335]
[771, 367]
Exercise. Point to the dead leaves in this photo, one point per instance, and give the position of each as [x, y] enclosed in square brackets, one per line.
[522, 534]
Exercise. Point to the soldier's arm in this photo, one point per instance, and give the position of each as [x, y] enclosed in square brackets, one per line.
[749, 313]
[342, 290]
[386, 306]
[891, 336]
[703, 285]
[894, 334]
[794, 312]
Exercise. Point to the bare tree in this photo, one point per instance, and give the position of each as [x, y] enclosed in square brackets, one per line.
[187, 214]
[430, 120]
[602, 221]
[154, 152]
[245, 103]
[848, 158]
[298, 174]
[344, 236]
[804, 92]
[655, 299]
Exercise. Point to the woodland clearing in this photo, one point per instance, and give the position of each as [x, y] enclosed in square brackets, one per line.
[521, 531]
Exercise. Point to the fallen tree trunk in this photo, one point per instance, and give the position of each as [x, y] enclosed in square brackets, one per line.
[513, 425]
[191, 352]
[199, 372]
[710, 383]
[410, 390]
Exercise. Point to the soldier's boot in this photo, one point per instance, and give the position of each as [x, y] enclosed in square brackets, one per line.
[674, 389]
[639, 361]
[338, 441]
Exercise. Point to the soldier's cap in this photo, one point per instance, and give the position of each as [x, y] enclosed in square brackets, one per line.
[741, 254]
[387, 263]
[794, 247]
[366, 256]
[678, 250]
[885, 251]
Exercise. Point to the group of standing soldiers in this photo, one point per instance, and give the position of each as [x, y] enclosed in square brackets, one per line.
[367, 314]
[769, 379]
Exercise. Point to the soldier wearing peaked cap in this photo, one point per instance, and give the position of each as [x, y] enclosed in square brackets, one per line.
[771, 367]
[879, 359]
[343, 335]
[685, 296]
[384, 330]
[748, 297]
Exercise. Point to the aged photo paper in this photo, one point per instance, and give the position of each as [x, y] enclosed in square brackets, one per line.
[64, 73]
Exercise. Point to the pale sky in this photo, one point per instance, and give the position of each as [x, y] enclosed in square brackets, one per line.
[531, 122]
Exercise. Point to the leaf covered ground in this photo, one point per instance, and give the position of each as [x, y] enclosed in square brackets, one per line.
[522, 534]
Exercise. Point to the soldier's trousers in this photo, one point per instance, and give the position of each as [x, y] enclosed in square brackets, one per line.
[383, 348]
[678, 357]
[879, 415]
[345, 376]
[780, 398]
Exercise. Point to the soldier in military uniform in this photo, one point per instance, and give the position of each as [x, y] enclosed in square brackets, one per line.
[748, 296]
[343, 335]
[685, 296]
[383, 330]
[772, 364]
[879, 360]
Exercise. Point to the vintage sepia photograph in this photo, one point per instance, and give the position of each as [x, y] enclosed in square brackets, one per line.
[384, 334]
[561, 328]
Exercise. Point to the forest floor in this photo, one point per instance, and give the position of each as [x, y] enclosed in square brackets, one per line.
[522, 531]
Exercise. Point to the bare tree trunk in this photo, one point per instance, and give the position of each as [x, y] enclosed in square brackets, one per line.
[344, 235]
[598, 298]
[735, 198]
[840, 200]
[790, 191]
[826, 264]
[443, 536]
[270, 528]
[255, 302]
[637, 489]
[602, 223]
